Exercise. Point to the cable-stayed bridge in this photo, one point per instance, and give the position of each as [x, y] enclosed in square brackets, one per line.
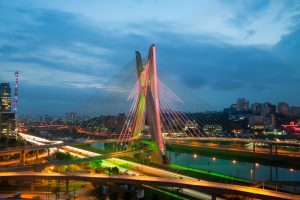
[156, 107]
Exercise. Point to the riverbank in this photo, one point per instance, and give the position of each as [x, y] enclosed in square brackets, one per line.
[229, 154]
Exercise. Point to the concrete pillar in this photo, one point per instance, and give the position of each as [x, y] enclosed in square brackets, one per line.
[271, 173]
[36, 155]
[32, 185]
[48, 151]
[213, 197]
[254, 172]
[67, 186]
[22, 157]
[254, 144]
[276, 177]
[271, 150]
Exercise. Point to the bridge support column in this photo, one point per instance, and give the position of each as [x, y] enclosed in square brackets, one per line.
[36, 155]
[67, 186]
[22, 157]
[271, 151]
[32, 185]
[276, 177]
[254, 173]
[213, 197]
[271, 173]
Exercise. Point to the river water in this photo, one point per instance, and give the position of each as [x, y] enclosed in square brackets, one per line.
[245, 170]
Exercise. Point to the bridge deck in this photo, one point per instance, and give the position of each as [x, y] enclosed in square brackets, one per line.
[204, 186]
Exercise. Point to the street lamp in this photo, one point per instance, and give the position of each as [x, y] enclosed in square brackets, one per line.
[195, 156]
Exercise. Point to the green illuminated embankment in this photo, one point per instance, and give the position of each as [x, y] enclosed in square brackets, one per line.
[151, 144]
[174, 166]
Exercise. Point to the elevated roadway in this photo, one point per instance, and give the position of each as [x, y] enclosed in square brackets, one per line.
[204, 186]
[167, 139]
[242, 140]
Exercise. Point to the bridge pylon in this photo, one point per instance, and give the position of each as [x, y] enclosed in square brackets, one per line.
[147, 107]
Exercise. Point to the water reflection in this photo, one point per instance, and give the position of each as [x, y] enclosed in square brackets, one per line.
[245, 170]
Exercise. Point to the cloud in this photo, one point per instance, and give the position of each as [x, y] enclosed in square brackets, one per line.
[227, 85]
[227, 48]
[230, 21]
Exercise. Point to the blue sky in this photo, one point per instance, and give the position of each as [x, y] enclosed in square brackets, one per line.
[221, 50]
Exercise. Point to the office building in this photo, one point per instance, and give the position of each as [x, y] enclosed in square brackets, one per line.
[283, 108]
[5, 95]
[256, 108]
[242, 105]
[268, 108]
[7, 125]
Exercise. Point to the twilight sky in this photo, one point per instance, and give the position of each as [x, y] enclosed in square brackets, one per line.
[220, 49]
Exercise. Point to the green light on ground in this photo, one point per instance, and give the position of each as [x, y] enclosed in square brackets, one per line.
[152, 144]
[95, 164]
[174, 166]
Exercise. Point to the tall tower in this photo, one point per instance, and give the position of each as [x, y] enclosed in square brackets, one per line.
[15, 104]
[148, 105]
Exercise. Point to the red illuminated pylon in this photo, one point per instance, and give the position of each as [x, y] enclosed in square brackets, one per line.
[147, 105]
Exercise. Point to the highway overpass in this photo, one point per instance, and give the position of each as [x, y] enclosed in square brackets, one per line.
[215, 189]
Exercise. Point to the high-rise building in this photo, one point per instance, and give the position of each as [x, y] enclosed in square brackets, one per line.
[269, 122]
[70, 118]
[283, 108]
[232, 109]
[7, 125]
[242, 105]
[262, 122]
[256, 108]
[5, 95]
[256, 122]
[295, 111]
[212, 129]
[268, 108]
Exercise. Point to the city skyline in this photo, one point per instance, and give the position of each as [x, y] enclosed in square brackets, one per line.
[163, 99]
[70, 50]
